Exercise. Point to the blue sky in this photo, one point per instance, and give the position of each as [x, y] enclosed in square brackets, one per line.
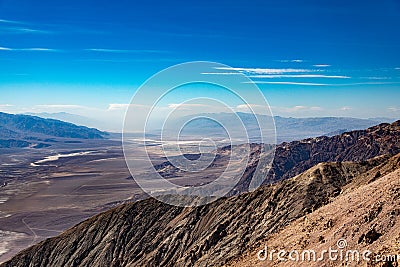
[310, 58]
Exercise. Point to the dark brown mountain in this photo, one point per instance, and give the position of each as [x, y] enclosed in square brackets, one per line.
[296, 157]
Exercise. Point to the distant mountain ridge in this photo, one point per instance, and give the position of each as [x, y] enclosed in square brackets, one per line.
[287, 129]
[21, 130]
[67, 117]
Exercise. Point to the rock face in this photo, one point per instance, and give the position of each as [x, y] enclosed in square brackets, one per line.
[295, 157]
[366, 217]
[150, 233]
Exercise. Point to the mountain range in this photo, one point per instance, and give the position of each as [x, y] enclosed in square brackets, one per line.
[32, 131]
[287, 129]
[321, 190]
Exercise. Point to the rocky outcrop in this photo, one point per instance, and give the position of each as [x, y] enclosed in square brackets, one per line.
[366, 218]
[296, 157]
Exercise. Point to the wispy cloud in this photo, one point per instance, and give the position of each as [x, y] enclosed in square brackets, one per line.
[106, 50]
[290, 83]
[377, 78]
[117, 106]
[345, 108]
[300, 76]
[295, 109]
[6, 107]
[40, 49]
[364, 83]
[186, 105]
[250, 108]
[291, 60]
[265, 70]
[22, 30]
[323, 84]
[222, 73]
[10, 21]
[123, 107]
[321, 65]
[19, 27]
[394, 109]
[59, 106]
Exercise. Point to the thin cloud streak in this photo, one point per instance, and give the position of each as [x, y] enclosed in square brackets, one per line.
[321, 65]
[19, 27]
[11, 21]
[20, 30]
[291, 60]
[222, 73]
[266, 71]
[377, 78]
[105, 50]
[289, 83]
[62, 106]
[323, 84]
[40, 49]
[364, 83]
[300, 76]
[296, 109]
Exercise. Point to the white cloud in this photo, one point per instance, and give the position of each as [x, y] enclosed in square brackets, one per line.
[363, 83]
[300, 76]
[14, 26]
[23, 30]
[265, 71]
[376, 78]
[105, 50]
[117, 106]
[292, 60]
[5, 107]
[394, 109]
[123, 107]
[187, 105]
[247, 106]
[321, 65]
[345, 108]
[290, 83]
[40, 49]
[5, 21]
[60, 106]
[251, 108]
[296, 109]
[222, 73]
